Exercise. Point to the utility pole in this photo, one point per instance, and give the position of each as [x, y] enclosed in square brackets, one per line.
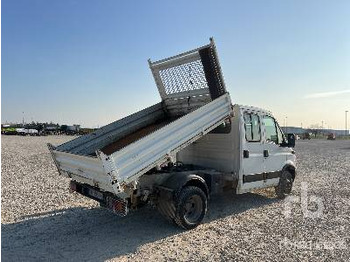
[285, 124]
[346, 122]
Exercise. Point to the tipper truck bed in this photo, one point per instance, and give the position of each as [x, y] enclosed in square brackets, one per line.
[135, 159]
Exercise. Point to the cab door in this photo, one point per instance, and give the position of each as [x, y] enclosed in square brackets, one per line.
[274, 154]
[252, 155]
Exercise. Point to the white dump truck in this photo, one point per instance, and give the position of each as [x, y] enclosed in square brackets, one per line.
[178, 152]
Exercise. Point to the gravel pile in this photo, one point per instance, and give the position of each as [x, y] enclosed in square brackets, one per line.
[41, 220]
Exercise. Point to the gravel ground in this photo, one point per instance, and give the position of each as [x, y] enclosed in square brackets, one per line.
[41, 220]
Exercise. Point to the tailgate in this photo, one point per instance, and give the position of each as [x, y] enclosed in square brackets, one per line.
[84, 169]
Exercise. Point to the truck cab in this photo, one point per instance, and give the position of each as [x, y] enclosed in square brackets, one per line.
[248, 151]
[250, 148]
[266, 152]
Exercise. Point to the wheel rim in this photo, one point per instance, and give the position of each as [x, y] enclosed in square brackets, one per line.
[193, 209]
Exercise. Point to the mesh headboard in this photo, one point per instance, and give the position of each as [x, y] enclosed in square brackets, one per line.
[189, 80]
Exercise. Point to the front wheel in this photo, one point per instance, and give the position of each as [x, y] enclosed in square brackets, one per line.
[284, 187]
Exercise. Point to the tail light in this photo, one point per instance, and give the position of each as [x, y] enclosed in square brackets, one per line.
[118, 206]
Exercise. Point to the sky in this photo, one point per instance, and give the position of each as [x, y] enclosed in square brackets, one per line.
[85, 61]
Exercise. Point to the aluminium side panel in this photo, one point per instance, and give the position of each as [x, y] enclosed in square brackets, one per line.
[137, 158]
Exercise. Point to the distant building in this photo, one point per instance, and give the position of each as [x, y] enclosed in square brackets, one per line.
[294, 130]
[299, 131]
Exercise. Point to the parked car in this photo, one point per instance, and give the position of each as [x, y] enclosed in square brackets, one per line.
[306, 135]
[331, 136]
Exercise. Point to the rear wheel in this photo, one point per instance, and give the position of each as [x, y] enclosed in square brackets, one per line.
[188, 208]
[191, 207]
[284, 187]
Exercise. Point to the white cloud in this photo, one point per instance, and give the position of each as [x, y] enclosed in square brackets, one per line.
[327, 94]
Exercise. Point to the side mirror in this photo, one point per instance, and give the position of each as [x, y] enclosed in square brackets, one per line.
[291, 140]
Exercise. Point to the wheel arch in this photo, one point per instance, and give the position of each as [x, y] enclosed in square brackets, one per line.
[291, 169]
[179, 180]
[199, 183]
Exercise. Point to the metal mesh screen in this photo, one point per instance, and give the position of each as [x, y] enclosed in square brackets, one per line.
[184, 77]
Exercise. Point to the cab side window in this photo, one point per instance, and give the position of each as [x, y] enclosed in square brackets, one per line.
[252, 127]
[271, 129]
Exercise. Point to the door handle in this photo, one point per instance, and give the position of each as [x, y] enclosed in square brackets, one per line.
[245, 153]
[266, 153]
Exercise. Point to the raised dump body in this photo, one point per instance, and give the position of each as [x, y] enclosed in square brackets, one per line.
[194, 102]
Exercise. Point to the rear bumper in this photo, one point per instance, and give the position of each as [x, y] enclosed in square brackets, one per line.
[107, 200]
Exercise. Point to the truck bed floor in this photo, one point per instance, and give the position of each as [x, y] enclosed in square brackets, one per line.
[123, 142]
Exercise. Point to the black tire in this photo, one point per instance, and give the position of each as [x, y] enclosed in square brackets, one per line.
[191, 207]
[284, 187]
[187, 209]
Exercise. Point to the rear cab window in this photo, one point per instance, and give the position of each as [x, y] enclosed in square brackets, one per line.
[252, 127]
